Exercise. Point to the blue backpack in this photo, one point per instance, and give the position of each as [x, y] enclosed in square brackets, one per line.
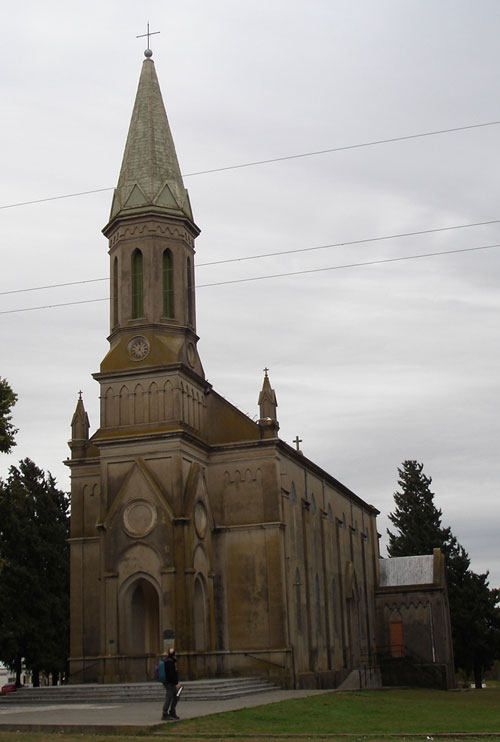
[159, 672]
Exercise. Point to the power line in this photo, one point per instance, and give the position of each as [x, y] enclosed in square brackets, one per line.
[255, 163]
[281, 252]
[352, 242]
[279, 275]
[351, 265]
[54, 286]
[346, 147]
[53, 306]
[55, 198]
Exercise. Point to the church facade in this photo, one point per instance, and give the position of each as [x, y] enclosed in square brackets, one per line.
[191, 523]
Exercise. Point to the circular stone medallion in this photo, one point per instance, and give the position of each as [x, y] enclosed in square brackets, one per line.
[200, 519]
[138, 348]
[139, 518]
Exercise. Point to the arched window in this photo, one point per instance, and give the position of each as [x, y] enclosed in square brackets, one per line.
[298, 600]
[114, 319]
[200, 623]
[318, 605]
[137, 285]
[334, 607]
[168, 284]
[190, 296]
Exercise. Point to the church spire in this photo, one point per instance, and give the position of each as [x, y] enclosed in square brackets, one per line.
[151, 236]
[79, 429]
[150, 177]
[268, 404]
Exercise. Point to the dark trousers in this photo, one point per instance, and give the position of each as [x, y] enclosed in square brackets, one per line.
[170, 699]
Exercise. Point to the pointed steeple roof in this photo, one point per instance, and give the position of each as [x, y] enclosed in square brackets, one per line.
[150, 177]
[267, 399]
[80, 422]
[268, 422]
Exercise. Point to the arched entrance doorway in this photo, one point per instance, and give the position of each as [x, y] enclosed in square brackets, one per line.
[140, 619]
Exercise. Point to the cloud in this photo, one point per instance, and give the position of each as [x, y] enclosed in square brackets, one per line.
[371, 365]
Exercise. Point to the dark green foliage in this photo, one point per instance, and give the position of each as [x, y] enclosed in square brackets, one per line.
[475, 616]
[34, 576]
[475, 620]
[7, 432]
[416, 518]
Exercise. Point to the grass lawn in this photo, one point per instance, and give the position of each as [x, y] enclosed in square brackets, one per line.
[364, 716]
[382, 713]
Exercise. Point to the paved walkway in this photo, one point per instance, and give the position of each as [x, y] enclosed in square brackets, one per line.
[93, 717]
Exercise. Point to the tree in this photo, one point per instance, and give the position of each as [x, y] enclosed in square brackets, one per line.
[34, 580]
[416, 518]
[7, 431]
[475, 618]
[474, 611]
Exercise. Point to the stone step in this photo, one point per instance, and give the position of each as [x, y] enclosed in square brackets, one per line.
[143, 689]
[198, 690]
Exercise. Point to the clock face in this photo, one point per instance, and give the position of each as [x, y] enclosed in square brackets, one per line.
[138, 348]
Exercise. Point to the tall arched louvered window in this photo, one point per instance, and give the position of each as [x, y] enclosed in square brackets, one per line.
[168, 284]
[190, 295]
[114, 318]
[137, 285]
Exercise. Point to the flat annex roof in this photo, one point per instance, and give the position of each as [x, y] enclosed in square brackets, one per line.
[411, 570]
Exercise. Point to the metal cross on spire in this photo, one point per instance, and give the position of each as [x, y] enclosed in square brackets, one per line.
[297, 442]
[148, 52]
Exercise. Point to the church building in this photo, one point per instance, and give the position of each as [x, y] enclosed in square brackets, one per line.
[191, 523]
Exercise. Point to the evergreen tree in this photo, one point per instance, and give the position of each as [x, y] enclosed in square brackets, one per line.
[475, 616]
[7, 432]
[416, 518]
[34, 578]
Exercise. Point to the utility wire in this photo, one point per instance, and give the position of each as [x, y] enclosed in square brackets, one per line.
[52, 306]
[373, 143]
[350, 265]
[279, 275]
[281, 252]
[346, 147]
[55, 198]
[351, 242]
[54, 286]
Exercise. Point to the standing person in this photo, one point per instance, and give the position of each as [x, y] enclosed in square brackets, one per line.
[171, 686]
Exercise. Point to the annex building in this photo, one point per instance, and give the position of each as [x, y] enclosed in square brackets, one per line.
[193, 524]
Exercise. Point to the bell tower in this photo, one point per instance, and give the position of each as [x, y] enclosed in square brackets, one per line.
[151, 233]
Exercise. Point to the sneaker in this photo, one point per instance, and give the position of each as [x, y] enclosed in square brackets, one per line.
[173, 716]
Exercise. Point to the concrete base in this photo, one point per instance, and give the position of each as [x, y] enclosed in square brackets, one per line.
[362, 678]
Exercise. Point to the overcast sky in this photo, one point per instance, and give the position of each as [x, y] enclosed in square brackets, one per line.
[372, 364]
